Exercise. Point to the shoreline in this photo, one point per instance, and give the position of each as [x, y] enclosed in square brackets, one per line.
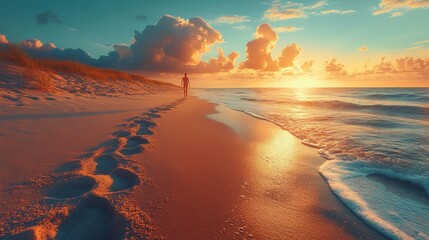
[203, 170]
[255, 199]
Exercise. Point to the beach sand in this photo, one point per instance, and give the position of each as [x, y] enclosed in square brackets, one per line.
[216, 173]
[157, 165]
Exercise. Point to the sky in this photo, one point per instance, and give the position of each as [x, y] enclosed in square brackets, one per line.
[343, 43]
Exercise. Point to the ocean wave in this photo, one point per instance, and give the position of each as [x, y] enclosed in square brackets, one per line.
[397, 96]
[413, 111]
[395, 201]
[336, 123]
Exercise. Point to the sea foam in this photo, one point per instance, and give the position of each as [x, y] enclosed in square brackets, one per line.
[397, 215]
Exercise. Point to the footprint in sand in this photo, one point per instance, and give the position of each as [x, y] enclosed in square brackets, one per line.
[135, 141]
[71, 187]
[94, 218]
[122, 133]
[123, 179]
[151, 115]
[144, 126]
[131, 151]
[33, 97]
[105, 164]
[69, 167]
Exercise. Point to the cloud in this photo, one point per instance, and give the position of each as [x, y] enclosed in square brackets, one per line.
[335, 68]
[401, 65]
[36, 44]
[397, 14]
[307, 66]
[73, 29]
[47, 17]
[259, 51]
[421, 42]
[241, 27]
[280, 10]
[215, 64]
[233, 19]
[318, 5]
[3, 39]
[141, 17]
[386, 6]
[287, 29]
[123, 50]
[173, 44]
[363, 48]
[336, 11]
[289, 55]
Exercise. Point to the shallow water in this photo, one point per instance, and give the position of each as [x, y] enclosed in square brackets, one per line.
[364, 131]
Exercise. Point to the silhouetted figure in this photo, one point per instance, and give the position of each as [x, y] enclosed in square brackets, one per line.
[185, 84]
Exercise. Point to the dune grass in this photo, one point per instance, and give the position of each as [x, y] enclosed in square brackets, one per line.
[38, 72]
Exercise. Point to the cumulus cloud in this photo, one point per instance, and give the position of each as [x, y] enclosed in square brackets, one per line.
[336, 11]
[287, 29]
[3, 39]
[335, 68]
[232, 19]
[259, 51]
[289, 55]
[216, 64]
[140, 17]
[307, 66]
[48, 17]
[386, 6]
[173, 44]
[123, 50]
[401, 65]
[36, 44]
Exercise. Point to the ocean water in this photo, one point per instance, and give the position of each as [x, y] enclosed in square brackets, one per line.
[376, 142]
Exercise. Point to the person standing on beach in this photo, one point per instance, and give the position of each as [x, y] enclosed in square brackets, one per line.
[185, 84]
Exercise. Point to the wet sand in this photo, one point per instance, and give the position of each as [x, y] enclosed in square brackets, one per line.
[215, 173]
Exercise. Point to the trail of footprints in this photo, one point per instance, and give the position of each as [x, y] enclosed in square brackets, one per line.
[94, 188]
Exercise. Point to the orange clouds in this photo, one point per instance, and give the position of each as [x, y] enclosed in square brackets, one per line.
[335, 68]
[36, 44]
[287, 29]
[290, 10]
[386, 6]
[3, 39]
[289, 55]
[259, 51]
[232, 19]
[174, 44]
[363, 48]
[279, 11]
[401, 65]
[307, 66]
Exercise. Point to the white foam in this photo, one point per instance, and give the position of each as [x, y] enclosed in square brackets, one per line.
[395, 216]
